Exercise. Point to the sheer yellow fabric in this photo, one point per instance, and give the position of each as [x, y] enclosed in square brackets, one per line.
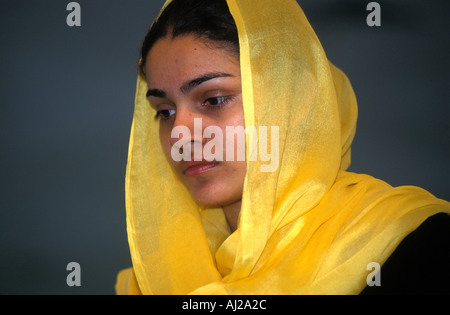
[310, 227]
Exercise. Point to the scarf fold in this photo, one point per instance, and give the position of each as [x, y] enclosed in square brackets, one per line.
[309, 227]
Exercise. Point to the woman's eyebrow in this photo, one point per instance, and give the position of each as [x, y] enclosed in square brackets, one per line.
[188, 86]
[156, 93]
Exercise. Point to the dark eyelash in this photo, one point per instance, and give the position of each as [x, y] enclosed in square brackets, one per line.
[160, 114]
[165, 113]
[226, 100]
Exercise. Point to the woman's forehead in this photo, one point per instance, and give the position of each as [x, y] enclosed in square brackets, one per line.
[183, 58]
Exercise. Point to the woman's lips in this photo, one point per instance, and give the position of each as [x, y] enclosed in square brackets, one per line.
[194, 169]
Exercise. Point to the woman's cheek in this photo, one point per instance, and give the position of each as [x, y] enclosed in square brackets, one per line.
[164, 137]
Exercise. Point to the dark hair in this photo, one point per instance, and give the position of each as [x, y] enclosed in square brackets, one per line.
[209, 20]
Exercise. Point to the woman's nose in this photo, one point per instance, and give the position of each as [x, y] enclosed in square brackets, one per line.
[187, 133]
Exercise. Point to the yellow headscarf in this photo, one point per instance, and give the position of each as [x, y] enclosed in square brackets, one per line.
[307, 228]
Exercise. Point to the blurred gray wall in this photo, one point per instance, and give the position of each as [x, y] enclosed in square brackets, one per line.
[66, 106]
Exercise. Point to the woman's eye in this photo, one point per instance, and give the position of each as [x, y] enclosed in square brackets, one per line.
[165, 114]
[216, 101]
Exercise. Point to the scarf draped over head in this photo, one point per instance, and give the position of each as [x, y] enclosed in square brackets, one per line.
[309, 227]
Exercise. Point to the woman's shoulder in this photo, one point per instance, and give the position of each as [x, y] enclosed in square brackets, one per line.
[419, 265]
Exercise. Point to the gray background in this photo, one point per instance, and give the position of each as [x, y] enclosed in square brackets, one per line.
[67, 103]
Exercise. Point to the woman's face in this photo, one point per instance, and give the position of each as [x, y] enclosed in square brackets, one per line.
[189, 80]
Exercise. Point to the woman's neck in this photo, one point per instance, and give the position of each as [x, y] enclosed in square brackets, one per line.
[232, 214]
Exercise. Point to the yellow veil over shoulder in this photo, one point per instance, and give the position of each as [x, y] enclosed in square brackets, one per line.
[309, 227]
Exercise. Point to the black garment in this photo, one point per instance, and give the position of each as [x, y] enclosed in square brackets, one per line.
[421, 263]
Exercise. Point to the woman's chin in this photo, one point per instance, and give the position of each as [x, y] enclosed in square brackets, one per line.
[212, 201]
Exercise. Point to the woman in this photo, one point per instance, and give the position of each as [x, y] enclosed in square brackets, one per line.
[201, 224]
